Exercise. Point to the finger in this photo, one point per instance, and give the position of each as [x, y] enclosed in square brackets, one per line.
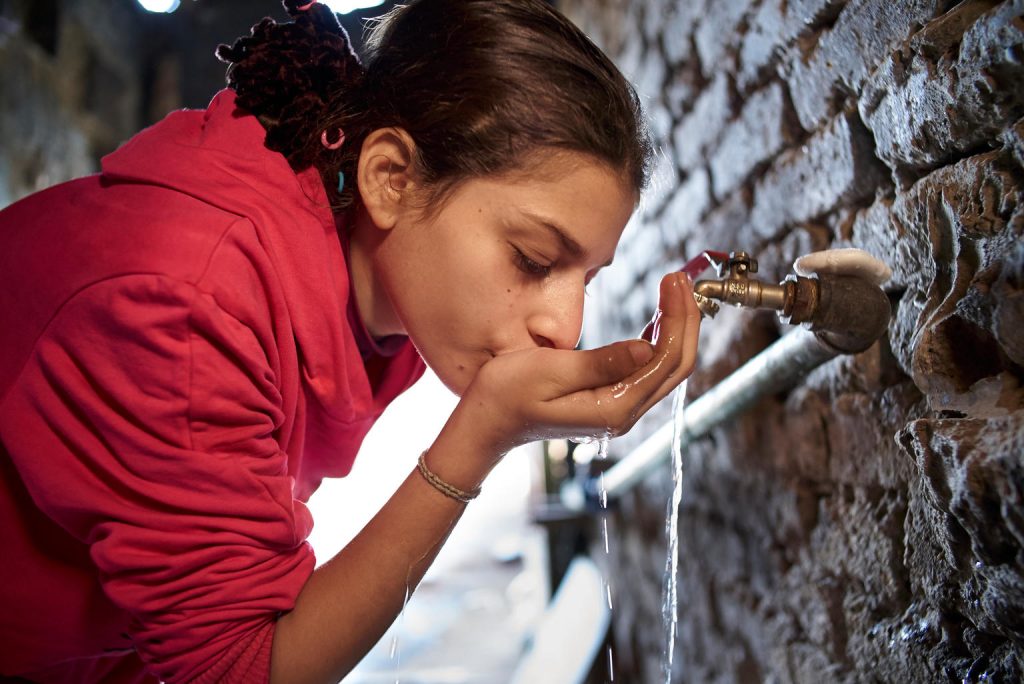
[603, 366]
[618, 404]
[675, 354]
[687, 358]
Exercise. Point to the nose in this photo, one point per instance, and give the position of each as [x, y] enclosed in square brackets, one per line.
[557, 320]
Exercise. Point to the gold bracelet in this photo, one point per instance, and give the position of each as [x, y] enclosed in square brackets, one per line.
[442, 486]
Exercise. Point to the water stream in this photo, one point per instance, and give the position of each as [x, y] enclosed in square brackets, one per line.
[395, 653]
[602, 453]
[670, 590]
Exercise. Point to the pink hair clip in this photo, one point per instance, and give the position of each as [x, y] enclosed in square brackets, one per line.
[332, 145]
[305, 7]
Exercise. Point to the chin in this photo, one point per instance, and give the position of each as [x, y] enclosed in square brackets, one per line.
[456, 381]
[455, 375]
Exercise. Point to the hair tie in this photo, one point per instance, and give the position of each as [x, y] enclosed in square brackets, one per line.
[332, 145]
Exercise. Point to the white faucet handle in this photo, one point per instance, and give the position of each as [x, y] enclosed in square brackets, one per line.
[845, 261]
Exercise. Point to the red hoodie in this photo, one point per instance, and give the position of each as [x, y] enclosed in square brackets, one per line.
[177, 374]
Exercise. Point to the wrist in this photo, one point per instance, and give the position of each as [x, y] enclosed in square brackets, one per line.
[463, 453]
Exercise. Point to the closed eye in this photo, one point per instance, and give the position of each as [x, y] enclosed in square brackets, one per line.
[530, 266]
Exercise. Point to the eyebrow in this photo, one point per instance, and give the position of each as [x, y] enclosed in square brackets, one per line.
[571, 246]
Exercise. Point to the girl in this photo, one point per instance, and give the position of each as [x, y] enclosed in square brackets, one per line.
[202, 332]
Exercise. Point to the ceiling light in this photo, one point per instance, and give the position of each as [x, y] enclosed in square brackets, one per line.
[165, 6]
[346, 6]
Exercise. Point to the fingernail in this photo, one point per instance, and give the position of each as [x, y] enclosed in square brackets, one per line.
[642, 352]
[675, 293]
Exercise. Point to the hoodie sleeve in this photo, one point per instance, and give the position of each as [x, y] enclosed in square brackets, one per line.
[144, 424]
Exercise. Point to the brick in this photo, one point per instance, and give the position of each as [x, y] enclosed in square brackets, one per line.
[835, 167]
[683, 87]
[618, 278]
[775, 261]
[724, 228]
[636, 255]
[650, 287]
[655, 14]
[931, 106]
[717, 34]
[678, 28]
[774, 26]
[760, 132]
[865, 32]
[683, 213]
[699, 131]
[649, 81]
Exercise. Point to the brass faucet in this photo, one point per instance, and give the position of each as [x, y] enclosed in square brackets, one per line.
[795, 298]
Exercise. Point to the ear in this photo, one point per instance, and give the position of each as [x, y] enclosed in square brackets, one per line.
[385, 174]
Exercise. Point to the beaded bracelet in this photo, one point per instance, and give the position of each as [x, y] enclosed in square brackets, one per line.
[442, 486]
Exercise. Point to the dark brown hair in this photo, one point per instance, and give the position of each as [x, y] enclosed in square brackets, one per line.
[480, 85]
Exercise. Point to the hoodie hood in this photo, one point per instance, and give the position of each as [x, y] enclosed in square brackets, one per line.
[218, 156]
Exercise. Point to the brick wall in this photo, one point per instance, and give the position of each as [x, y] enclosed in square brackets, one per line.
[869, 524]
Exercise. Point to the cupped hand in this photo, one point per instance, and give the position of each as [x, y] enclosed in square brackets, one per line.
[547, 393]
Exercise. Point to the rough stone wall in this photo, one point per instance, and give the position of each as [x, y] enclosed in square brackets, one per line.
[869, 524]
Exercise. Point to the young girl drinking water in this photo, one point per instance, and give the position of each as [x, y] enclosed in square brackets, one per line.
[199, 334]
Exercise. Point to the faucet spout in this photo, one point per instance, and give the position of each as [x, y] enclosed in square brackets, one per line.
[846, 312]
[790, 297]
[746, 292]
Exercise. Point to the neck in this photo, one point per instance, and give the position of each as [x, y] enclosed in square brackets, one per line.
[374, 305]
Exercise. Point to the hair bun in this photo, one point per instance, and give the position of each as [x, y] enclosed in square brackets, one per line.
[296, 7]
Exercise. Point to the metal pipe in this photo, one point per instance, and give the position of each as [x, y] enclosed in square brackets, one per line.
[775, 369]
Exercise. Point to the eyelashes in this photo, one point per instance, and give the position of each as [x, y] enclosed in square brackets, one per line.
[530, 266]
[535, 269]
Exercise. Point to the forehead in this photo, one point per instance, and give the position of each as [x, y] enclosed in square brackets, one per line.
[552, 164]
[544, 171]
[579, 186]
